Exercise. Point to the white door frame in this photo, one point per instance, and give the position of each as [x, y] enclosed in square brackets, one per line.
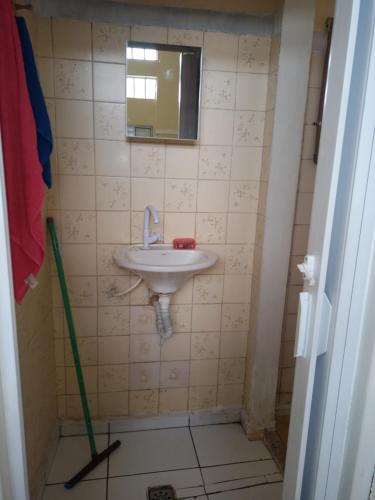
[347, 325]
[13, 465]
[330, 157]
[348, 328]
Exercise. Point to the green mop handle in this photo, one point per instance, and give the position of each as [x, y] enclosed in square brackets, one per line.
[72, 334]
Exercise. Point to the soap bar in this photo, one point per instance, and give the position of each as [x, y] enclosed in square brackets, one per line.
[184, 243]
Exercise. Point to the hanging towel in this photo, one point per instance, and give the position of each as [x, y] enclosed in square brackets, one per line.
[23, 181]
[43, 126]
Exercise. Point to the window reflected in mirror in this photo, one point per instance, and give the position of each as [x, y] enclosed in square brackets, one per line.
[162, 91]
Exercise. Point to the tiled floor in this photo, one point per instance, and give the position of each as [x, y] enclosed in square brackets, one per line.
[212, 462]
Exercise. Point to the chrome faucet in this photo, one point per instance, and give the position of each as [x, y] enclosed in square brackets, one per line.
[149, 237]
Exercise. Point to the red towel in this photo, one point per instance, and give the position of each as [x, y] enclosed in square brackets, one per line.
[23, 180]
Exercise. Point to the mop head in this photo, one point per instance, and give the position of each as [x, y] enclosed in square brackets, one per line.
[95, 460]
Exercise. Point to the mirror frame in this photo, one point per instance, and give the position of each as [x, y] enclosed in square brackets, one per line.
[173, 48]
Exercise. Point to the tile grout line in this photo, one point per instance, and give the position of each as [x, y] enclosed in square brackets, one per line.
[196, 454]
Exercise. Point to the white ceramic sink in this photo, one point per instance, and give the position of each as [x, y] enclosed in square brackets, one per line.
[164, 268]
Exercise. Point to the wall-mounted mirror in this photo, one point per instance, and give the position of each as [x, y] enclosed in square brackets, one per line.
[162, 91]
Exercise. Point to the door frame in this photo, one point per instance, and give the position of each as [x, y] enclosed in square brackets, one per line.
[347, 326]
[13, 463]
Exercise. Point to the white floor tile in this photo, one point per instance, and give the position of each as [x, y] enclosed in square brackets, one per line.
[86, 490]
[264, 492]
[185, 482]
[225, 444]
[152, 451]
[221, 473]
[73, 453]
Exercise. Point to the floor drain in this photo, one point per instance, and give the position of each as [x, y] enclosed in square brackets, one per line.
[162, 493]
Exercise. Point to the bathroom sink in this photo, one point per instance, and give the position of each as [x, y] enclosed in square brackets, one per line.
[164, 268]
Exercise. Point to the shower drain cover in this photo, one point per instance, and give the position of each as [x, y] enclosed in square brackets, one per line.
[166, 492]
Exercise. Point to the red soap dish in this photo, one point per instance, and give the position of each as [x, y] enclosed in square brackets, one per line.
[184, 243]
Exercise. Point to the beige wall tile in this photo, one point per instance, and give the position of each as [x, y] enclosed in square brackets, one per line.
[253, 54]
[144, 375]
[190, 38]
[114, 320]
[147, 160]
[153, 34]
[85, 322]
[237, 288]
[178, 225]
[109, 286]
[214, 162]
[109, 42]
[181, 318]
[109, 121]
[180, 195]
[173, 400]
[303, 208]
[45, 73]
[224, 59]
[147, 192]
[113, 227]
[216, 127]
[244, 196]
[73, 79]
[144, 348]
[82, 290]
[112, 158]
[74, 406]
[174, 374]
[113, 404]
[182, 162]
[79, 259]
[212, 196]
[230, 396]
[203, 372]
[241, 228]
[113, 350]
[144, 403]
[176, 347]
[206, 317]
[248, 128]
[202, 398]
[77, 192]
[74, 119]
[211, 228]
[239, 259]
[43, 37]
[78, 227]
[109, 82]
[246, 163]
[88, 351]
[205, 345]
[71, 39]
[233, 344]
[251, 92]
[105, 262]
[235, 317]
[90, 377]
[142, 319]
[112, 193]
[113, 378]
[75, 156]
[231, 371]
[208, 289]
[316, 69]
[218, 89]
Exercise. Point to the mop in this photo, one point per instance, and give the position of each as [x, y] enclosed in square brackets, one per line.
[96, 458]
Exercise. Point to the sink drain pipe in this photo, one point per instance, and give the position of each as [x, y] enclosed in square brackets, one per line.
[163, 319]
